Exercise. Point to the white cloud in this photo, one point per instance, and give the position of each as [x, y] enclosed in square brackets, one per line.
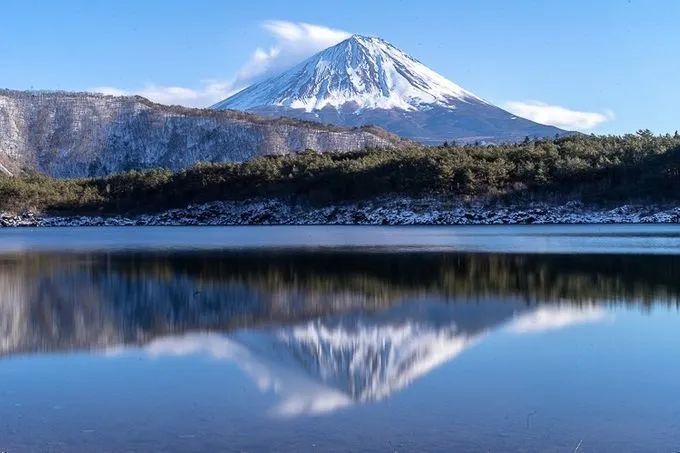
[294, 41]
[111, 91]
[555, 318]
[559, 116]
[203, 96]
[298, 392]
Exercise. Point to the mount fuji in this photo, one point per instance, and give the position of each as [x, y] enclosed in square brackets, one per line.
[366, 80]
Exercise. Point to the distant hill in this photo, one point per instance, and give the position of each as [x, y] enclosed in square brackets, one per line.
[81, 134]
[365, 80]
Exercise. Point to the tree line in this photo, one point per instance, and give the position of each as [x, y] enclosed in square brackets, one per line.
[596, 169]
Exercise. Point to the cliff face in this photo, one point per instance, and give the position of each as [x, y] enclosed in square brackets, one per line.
[81, 134]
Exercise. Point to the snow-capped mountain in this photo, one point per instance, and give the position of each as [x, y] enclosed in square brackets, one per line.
[367, 72]
[366, 80]
[325, 364]
[322, 365]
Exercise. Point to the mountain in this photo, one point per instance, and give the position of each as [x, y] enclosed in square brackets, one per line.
[365, 80]
[325, 364]
[370, 356]
[82, 134]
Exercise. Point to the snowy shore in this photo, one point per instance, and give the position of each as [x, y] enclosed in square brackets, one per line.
[383, 211]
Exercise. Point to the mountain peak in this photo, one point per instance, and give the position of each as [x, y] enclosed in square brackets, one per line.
[359, 73]
[366, 80]
[365, 39]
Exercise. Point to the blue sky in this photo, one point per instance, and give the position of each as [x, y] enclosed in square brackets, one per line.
[607, 66]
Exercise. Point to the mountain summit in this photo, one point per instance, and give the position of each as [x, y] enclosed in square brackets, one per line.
[366, 80]
[366, 73]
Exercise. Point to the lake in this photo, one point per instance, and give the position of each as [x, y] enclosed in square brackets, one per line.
[498, 338]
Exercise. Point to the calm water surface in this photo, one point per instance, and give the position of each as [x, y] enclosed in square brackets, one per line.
[340, 339]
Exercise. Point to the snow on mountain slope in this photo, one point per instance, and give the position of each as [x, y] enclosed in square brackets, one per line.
[367, 72]
[366, 80]
[328, 363]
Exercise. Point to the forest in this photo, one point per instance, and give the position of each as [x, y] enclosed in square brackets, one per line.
[640, 167]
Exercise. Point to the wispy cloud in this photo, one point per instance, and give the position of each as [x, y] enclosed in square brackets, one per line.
[555, 318]
[559, 116]
[206, 94]
[299, 392]
[294, 41]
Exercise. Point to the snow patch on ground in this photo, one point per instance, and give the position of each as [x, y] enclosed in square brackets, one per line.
[381, 211]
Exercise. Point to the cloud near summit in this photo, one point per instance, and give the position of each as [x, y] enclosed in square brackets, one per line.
[294, 41]
[555, 115]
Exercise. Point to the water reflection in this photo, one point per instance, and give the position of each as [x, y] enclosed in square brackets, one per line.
[54, 302]
[433, 349]
[57, 302]
[322, 330]
[326, 364]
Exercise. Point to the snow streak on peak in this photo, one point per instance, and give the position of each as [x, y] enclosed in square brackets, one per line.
[370, 362]
[357, 74]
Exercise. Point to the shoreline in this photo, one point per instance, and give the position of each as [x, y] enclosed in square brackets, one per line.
[380, 211]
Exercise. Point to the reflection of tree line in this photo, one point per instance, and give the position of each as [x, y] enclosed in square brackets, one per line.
[536, 278]
[376, 276]
[93, 300]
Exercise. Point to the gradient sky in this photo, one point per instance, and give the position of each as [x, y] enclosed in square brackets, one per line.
[608, 66]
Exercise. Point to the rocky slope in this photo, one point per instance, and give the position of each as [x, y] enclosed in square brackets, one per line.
[366, 80]
[80, 134]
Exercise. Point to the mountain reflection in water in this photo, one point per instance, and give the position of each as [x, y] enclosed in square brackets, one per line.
[322, 365]
[322, 330]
